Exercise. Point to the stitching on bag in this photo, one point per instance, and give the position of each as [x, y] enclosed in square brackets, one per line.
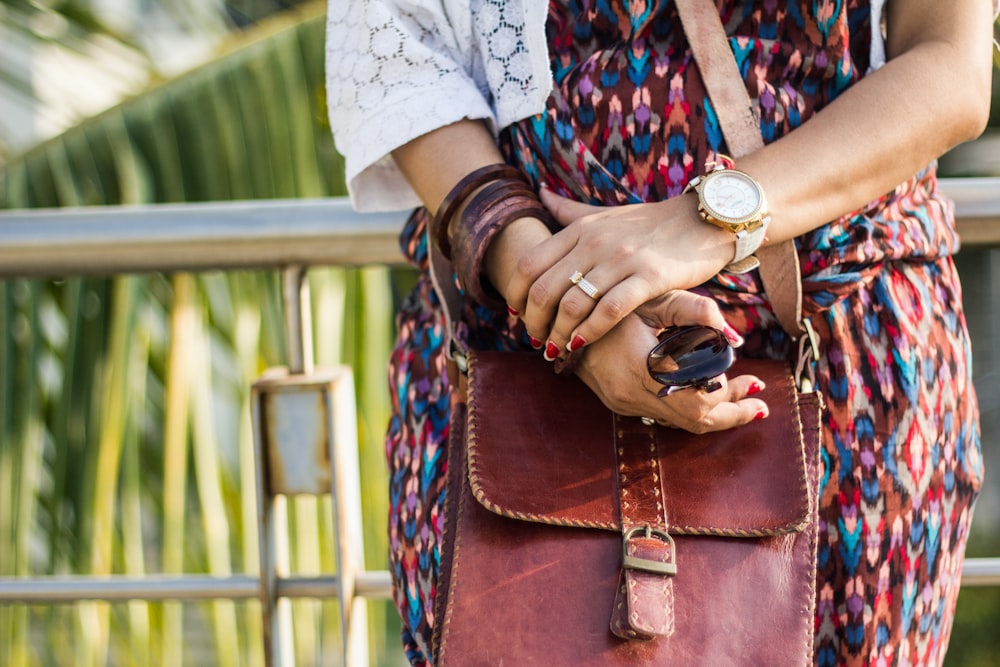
[455, 562]
[793, 526]
[796, 525]
[813, 530]
[474, 477]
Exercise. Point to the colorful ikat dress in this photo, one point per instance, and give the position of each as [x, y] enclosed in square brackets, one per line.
[628, 122]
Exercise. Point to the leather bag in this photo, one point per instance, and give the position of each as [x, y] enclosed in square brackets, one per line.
[574, 536]
[533, 545]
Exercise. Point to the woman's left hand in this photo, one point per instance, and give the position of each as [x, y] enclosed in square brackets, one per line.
[615, 369]
[633, 254]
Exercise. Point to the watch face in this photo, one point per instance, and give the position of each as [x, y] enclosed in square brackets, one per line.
[732, 196]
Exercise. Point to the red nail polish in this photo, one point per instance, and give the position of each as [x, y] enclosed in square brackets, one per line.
[760, 415]
[535, 343]
[551, 351]
[513, 311]
[577, 342]
[733, 336]
[754, 388]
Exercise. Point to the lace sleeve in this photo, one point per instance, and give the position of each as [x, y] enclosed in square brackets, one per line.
[393, 74]
[397, 69]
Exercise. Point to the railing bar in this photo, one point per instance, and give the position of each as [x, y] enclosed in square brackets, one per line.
[372, 585]
[274, 233]
[981, 572]
[36, 590]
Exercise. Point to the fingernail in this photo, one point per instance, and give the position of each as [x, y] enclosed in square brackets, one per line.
[513, 311]
[760, 415]
[535, 343]
[732, 335]
[577, 342]
[551, 351]
[755, 388]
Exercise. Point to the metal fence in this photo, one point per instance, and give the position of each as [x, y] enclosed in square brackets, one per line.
[289, 236]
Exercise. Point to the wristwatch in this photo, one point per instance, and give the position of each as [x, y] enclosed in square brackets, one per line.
[733, 200]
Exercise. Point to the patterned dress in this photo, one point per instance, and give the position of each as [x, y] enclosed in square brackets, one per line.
[902, 465]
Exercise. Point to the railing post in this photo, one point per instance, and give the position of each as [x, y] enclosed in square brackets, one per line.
[305, 439]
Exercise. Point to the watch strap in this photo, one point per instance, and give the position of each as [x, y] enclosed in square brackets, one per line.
[747, 243]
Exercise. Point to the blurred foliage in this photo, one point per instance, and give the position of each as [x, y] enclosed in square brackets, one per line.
[124, 416]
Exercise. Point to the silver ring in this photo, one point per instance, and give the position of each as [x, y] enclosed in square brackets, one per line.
[648, 421]
[588, 287]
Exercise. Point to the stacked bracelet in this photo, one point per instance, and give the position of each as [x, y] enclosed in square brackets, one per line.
[487, 213]
[506, 197]
[459, 193]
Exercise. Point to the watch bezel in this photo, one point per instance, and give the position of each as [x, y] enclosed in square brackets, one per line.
[731, 223]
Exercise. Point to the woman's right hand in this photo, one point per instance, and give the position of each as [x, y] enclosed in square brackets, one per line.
[615, 369]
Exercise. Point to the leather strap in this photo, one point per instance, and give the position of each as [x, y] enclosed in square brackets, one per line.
[779, 263]
[644, 600]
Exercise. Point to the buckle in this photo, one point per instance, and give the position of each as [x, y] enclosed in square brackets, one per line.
[644, 564]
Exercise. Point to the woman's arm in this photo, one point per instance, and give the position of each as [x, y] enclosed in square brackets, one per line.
[932, 94]
[436, 161]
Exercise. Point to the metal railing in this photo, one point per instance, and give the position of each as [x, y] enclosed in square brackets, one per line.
[291, 236]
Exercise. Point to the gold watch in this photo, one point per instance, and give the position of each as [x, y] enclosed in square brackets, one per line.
[733, 200]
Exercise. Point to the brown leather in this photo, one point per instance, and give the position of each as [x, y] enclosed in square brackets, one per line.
[644, 599]
[565, 478]
[517, 590]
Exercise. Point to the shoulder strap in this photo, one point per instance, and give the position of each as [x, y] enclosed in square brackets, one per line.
[779, 264]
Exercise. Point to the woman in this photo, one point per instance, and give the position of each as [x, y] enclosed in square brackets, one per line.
[601, 106]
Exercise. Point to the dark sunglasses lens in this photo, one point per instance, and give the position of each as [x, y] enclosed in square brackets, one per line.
[689, 355]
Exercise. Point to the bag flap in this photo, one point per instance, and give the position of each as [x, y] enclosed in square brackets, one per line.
[541, 449]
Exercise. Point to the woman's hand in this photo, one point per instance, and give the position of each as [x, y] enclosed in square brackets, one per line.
[615, 369]
[632, 254]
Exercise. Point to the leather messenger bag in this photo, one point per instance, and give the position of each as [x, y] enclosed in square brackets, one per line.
[559, 513]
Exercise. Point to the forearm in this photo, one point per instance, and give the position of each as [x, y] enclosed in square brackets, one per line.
[884, 129]
[434, 163]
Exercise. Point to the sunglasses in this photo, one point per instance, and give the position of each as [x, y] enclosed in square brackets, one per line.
[690, 356]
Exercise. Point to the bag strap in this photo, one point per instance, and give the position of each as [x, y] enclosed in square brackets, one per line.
[644, 599]
[779, 264]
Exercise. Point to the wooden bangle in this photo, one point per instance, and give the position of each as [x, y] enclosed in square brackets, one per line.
[490, 211]
[458, 194]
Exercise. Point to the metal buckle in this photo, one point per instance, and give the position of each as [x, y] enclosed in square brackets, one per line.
[657, 567]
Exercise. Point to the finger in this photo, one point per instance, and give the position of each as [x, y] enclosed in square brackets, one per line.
[680, 308]
[578, 321]
[523, 293]
[730, 414]
[564, 210]
[743, 386]
[739, 407]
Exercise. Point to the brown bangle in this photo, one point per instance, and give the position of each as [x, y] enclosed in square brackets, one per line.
[458, 194]
[487, 213]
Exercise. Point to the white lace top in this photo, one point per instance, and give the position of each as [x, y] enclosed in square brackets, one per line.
[397, 69]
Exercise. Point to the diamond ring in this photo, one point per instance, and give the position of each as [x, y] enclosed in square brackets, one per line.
[588, 287]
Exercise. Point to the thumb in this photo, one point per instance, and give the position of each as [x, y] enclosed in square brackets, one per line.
[680, 307]
[565, 211]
